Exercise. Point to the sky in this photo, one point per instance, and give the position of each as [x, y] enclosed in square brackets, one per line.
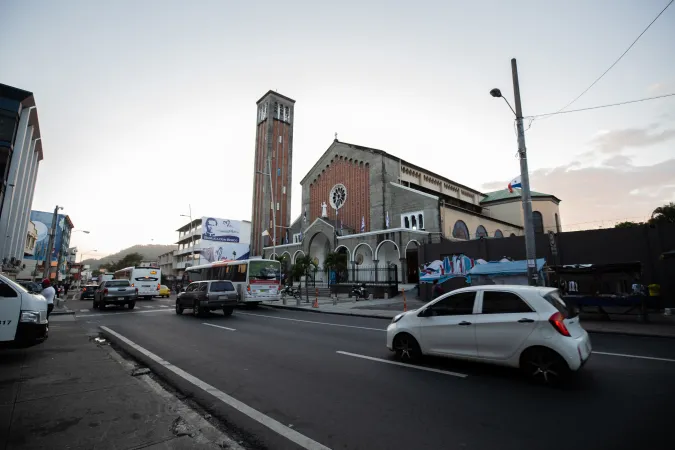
[147, 108]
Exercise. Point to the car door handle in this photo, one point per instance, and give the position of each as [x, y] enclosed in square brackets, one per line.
[464, 323]
[526, 321]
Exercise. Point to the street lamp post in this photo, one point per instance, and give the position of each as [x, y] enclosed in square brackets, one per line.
[274, 211]
[192, 238]
[528, 225]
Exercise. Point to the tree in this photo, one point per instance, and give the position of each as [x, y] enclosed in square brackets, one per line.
[663, 214]
[335, 261]
[302, 267]
[284, 260]
[132, 259]
[628, 224]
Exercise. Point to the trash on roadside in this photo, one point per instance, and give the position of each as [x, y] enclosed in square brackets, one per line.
[100, 340]
[140, 371]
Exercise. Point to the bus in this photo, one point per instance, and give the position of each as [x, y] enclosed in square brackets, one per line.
[146, 279]
[256, 280]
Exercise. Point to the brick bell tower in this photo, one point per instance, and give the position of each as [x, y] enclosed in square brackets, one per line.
[274, 156]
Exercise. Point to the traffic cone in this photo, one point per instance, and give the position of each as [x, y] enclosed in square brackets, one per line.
[316, 299]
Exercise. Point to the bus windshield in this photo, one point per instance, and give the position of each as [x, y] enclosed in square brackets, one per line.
[261, 270]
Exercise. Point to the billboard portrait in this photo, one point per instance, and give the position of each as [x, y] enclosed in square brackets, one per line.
[220, 230]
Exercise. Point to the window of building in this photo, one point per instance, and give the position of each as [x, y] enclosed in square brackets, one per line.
[281, 139]
[499, 234]
[287, 114]
[538, 221]
[276, 110]
[296, 238]
[420, 221]
[481, 232]
[413, 222]
[406, 222]
[460, 230]
[277, 206]
[496, 302]
[283, 189]
[279, 172]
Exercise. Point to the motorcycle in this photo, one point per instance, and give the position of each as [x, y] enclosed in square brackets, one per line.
[360, 292]
[292, 292]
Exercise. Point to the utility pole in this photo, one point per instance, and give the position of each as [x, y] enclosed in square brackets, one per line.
[50, 246]
[192, 240]
[528, 223]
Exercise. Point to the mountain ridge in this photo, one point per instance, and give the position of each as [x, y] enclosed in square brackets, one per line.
[150, 252]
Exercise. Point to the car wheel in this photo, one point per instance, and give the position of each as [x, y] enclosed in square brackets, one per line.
[544, 366]
[179, 309]
[131, 305]
[196, 311]
[406, 347]
[228, 311]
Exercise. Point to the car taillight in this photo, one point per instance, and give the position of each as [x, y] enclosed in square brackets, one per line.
[105, 291]
[136, 291]
[248, 287]
[133, 284]
[158, 287]
[84, 290]
[557, 320]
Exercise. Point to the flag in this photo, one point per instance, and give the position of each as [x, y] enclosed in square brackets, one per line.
[363, 224]
[286, 237]
[515, 184]
[387, 223]
[304, 217]
[265, 233]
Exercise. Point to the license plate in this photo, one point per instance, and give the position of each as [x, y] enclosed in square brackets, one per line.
[120, 298]
[146, 285]
[223, 297]
[263, 290]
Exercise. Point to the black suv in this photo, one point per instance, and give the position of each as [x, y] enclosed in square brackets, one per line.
[205, 296]
[88, 292]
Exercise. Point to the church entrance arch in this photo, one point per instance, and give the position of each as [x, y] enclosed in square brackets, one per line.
[412, 261]
[319, 248]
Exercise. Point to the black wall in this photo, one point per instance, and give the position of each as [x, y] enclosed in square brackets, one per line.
[615, 245]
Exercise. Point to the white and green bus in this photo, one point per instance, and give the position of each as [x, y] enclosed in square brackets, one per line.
[256, 280]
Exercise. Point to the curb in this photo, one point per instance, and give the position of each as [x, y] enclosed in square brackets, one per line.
[630, 333]
[62, 313]
[335, 313]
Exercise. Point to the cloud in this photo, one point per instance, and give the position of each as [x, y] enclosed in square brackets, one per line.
[616, 140]
[615, 190]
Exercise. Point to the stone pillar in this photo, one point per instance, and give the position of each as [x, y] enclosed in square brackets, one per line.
[376, 265]
[404, 270]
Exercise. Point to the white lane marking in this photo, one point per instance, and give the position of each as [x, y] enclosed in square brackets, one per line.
[148, 307]
[310, 321]
[290, 434]
[395, 363]
[85, 310]
[633, 356]
[218, 326]
[164, 306]
[125, 312]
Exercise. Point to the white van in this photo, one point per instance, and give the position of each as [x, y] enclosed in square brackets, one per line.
[23, 315]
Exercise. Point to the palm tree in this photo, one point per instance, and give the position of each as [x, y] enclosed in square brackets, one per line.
[335, 261]
[302, 267]
[663, 214]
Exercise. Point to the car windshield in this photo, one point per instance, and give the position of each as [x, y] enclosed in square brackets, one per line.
[13, 284]
[221, 286]
[558, 303]
[117, 283]
[264, 270]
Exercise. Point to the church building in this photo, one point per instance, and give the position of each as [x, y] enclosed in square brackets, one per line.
[378, 209]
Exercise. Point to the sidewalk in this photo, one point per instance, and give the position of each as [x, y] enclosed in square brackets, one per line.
[71, 392]
[659, 326]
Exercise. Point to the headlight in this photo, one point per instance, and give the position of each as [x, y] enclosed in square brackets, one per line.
[30, 316]
[397, 318]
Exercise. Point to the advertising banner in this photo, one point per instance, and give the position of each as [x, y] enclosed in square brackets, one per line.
[221, 230]
[224, 240]
[223, 252]
[43, 221]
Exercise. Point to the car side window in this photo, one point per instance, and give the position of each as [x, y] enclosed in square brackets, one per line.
[203, 287]
[192, 287]
[499, 302]
[6, 291]
[455, 305]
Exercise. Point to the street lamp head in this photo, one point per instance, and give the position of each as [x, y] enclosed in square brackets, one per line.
[496, 93]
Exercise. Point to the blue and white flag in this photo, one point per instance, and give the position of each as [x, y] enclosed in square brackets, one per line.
[363, 224]
[286, 237]
[515, 184]
[304, 217]
[387, 223]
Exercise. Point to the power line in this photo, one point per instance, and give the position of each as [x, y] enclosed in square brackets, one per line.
[536, 116]
[619, 59]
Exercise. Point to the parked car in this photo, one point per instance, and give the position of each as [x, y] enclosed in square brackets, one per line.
[23, 315]
[88, 292]
[526, 327]
[164, 291]
[205, 296]
[115, 292]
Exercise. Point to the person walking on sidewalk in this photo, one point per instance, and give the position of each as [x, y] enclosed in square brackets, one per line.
[66, 286]
[49, 293]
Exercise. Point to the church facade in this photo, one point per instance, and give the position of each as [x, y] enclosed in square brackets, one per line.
[379, 209]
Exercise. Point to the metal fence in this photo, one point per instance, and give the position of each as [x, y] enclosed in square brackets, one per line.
[370, 275]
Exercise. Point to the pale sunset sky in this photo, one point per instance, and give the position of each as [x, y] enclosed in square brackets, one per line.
[150, 105]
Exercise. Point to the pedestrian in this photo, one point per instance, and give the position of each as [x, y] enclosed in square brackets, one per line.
[66, 286]
[437, 290]
[48, 293]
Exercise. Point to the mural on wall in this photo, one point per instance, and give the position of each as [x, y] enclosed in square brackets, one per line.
[449, 267]
[43, 221]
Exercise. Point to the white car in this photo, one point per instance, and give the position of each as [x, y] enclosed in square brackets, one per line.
[518, 326]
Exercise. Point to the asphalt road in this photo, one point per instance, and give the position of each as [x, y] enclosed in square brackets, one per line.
[286, 365]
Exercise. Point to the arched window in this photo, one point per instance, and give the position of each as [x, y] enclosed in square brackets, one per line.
[499, 234]
[406, 222]
[481, 232]
[420, 218]
[512, 235]
[460, 230]
[557, 223]
[538, 222]
[414, 223]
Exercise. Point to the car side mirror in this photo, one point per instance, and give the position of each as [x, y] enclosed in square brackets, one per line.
[424, 313]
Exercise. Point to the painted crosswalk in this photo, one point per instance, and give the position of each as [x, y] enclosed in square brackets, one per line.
[150, 308]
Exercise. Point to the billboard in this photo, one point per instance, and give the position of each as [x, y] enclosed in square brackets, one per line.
[224, 240]
[43, 221]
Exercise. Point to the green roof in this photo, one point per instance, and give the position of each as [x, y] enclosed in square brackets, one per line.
[504, 194]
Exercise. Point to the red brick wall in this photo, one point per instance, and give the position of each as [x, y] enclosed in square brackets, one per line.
[355, 175]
